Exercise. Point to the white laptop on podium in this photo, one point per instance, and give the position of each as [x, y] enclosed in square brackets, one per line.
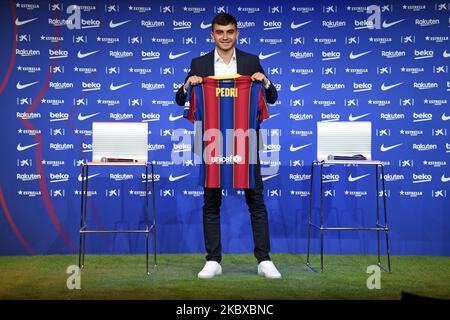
[120, 142]
[345, 139]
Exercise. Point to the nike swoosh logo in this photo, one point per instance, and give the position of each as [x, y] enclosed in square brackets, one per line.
[81, 117]
[84, 55]
[23, 86]
[352, 118]
[445, 54]
[390, 24]
[295, 88]
[384, 149]
[205, 26]
[118, 24]
[385, 87]
[88, 177]
[353, 179]
[269, 177]
[172, 118]
[21, 148]
[295, 26]
[172, 178]
[265, 56]
[293, 149]
[355, 56]
[445, 117]
[21, 23]
[444, 178]
[174, 56]
[273, 115]
[112, 87]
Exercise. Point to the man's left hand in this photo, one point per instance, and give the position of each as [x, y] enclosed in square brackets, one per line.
[258, 76]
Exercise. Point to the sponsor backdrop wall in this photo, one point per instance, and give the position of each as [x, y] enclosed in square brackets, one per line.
[126, 61]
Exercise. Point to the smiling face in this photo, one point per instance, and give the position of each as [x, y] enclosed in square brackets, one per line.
[225, 36]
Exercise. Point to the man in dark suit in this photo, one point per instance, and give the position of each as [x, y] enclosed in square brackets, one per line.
[226, 60]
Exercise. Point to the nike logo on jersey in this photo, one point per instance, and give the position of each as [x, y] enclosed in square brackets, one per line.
[118, 24]
[384, 149]
[22, 148]
[353, 179]
[385, 87]
[87, 54]
[23, 86]
[293, 149]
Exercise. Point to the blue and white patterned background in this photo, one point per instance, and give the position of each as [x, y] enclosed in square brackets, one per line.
[128, 59]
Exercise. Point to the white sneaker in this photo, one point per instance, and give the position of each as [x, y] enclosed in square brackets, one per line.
[268, 270]
[211, 269]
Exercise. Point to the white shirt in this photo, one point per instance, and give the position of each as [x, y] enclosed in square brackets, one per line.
[223, 69]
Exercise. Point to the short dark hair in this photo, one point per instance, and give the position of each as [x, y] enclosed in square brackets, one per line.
[223, 19]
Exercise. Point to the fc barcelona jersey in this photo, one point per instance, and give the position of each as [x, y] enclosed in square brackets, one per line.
[230, 110]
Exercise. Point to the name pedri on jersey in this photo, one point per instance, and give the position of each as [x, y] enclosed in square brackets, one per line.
[230, 110]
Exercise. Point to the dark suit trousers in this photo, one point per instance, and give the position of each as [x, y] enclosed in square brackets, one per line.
[258, 214]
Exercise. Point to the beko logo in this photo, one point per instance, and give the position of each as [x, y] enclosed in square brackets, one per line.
[181, 147]
[59, 177]
[423, 54]
[328, 117]
[330, 55]
[271, 25]
[419, 178]
[419, 117]
[178, 25]
[58, 116]
[57, 54]
[331, 177]
[91, 86]
[146, 117]
[150, 55]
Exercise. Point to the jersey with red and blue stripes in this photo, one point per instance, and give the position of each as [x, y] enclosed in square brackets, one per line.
[231, 110]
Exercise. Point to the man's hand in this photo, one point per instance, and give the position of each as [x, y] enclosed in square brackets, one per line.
[193, 80]
[258, 76]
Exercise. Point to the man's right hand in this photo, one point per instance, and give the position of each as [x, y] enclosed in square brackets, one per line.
[193, 80]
